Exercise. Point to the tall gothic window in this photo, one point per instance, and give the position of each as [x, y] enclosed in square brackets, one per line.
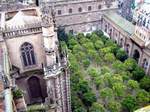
[27, 53]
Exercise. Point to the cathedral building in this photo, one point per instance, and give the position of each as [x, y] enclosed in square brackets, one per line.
[28, 38]
[37, 65]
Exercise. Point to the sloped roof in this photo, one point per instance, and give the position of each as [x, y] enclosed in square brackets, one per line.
[120, 21]
[21, 19]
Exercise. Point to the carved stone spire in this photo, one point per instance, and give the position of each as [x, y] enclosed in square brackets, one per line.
[47, 20]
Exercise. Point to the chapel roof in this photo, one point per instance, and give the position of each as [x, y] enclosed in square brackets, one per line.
[21, 19]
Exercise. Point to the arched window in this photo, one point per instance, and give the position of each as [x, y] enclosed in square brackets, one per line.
[136, 55]
[145, 64]
[121, 42]
[127, 48]
[110, 32]
[27, 54]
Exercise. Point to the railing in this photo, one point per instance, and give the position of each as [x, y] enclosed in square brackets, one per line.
[22, 30]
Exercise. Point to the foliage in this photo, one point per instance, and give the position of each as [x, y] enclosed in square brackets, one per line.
[119, 89]
[133, 84]
[89, 98]
[114, 106]
[18, 93]
[145, 83]
[129, 103]
[98, 65]
[121, 55]
[37, 108]
[130, 64]
[118, 66]
[142, 97]
[76, 104]
[109, 57]
[138, 73]
[83, 86]
[96, 107]
[106, 93]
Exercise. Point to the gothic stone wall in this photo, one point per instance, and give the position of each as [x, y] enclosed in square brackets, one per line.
[14, 45]
[23, 84]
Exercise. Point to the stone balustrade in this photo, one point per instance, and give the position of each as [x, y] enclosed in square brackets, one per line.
[22, 30]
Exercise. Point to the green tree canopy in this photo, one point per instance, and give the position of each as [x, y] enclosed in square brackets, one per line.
[129, 103]
[145, 83]
[96, 107]
[130, 64]
[114, 106]
[138, 73]
[89, 98]
[121, 55]
[133, 84]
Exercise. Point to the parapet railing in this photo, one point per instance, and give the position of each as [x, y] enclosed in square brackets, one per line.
[10, 32]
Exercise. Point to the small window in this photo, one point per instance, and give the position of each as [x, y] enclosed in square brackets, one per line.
[99, 7]
[80, 9]
[59, 12]
[70, 10]
[89, 8]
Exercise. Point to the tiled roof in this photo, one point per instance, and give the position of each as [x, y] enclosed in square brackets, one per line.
[21, 19]
[120, 21]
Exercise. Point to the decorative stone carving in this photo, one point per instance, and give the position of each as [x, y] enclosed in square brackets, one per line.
[47, 20]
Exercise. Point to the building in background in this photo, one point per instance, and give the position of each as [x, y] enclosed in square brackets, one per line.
[79, 15]
[127, 8]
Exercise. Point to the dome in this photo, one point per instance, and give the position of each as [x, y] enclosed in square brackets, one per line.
[21, 19]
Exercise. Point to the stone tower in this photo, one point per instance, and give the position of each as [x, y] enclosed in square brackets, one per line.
[55, 70]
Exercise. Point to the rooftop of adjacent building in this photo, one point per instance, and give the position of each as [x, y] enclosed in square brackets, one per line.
[144, 8]
[22, 19]
[120, 21]
[126, 26]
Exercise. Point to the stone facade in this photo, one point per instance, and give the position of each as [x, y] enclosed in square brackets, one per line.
[79, 15]
[36, 67]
